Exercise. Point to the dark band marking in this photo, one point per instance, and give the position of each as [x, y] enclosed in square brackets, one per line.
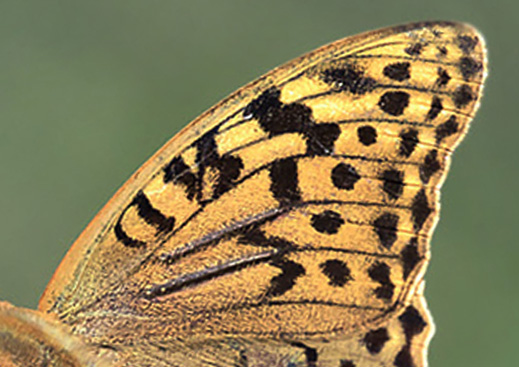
[367, 135]
[430, 166]
[122, 237]
[394, 103]
[408, 142]
[178, 172]
[463, 95]
[448, 128]
[398, 71]
[349, 79]
[151, 215]
[228, 167]
[327, 222]
[206, 156]
[337, 272]
[277, 118]
[436, 108]
[375, 340]
[410, 257]
[347, 363]
[420, 210]
[282, 283]
[385, 227]
[254, 236]
[380, 273]
[284, 181]
[393, 183]
[344, 176]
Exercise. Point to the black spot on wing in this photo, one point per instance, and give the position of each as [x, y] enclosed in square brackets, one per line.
[398, 71]
[408, 142]
[293, 117]
[229, 169]
[463, 95]
[404, 358]
[367, 135]
[282, 283]
[385, 227]
[394, 103]
[430, 166]
[344, 176]
[267, 103]
[337, 272]
[380, 273]
[442, 50]
[412, 324]
[327, 222]
[469, 67]
[320, 138]
[375, 340]
[349, 79]
[410, 257]
[284, 181]
[436, 108]
[443, 78]
[393, 183]
[467, 43]
[420, 210]
[446, 129]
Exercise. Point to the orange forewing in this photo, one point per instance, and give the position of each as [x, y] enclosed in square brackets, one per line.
[287, 225]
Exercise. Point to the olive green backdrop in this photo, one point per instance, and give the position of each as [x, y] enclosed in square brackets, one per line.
[90, 89]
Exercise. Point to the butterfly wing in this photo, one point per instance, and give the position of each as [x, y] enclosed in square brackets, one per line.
[299, 208]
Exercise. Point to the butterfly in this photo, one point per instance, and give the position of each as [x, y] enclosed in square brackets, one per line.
[289, 225]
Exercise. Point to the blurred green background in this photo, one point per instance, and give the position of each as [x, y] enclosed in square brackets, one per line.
[90, 89]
